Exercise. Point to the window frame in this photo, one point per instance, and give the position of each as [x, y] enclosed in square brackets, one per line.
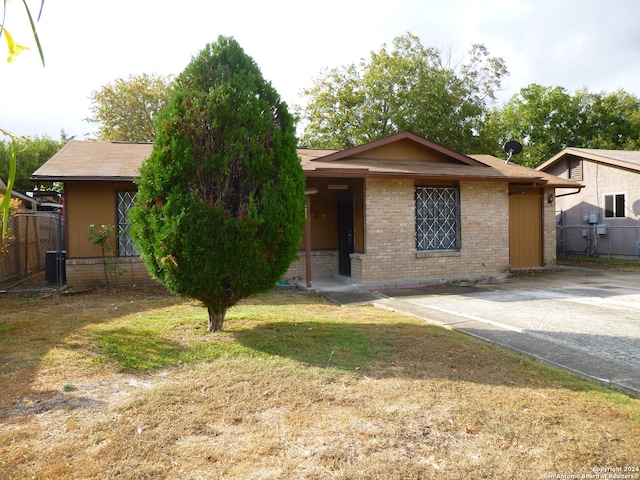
[125, 245]
[446, 237]
[615, 209]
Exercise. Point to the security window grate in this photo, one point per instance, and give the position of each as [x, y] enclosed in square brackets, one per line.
[437, 218]
[126, 247]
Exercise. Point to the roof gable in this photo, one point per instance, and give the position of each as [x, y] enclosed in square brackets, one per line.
[618, 158]
[403, 146]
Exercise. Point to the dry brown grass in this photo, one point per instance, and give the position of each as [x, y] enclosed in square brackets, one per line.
[295, 388]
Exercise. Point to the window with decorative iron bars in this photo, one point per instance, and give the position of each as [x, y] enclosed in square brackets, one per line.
[126, 247]
[437, 218]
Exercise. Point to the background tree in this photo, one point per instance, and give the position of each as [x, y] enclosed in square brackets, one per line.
[409, 87]
[126, 109]
[548, 119]
[32, 153]
[543, 119]
[220, 206]
[615, 121]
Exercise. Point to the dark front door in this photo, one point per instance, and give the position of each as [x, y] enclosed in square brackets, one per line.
[345, 231]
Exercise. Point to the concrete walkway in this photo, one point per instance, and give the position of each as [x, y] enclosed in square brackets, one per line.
[582, 320]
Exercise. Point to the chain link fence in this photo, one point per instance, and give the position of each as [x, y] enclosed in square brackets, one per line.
[35, 250]
[599, 240]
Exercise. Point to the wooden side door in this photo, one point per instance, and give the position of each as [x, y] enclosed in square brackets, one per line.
[525, 229]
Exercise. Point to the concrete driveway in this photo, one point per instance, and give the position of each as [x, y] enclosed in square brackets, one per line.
[586, 321]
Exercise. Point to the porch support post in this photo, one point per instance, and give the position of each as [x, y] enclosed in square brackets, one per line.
[307, 233]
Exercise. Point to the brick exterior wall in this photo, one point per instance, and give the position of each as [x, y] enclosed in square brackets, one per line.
[549, 233]
[85, 272]
[391, 254]
[324, 263]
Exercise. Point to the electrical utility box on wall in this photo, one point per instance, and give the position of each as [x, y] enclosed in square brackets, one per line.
[601, 229]
[593, 218]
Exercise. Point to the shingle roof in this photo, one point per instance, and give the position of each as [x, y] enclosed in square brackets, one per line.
[79, 160]
[513, 169]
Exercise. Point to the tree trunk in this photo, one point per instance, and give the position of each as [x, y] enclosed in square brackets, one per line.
[215, 320]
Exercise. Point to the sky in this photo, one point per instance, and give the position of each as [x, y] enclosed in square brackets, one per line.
[88, 44]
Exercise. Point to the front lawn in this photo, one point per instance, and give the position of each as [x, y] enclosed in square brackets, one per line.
[128, 385]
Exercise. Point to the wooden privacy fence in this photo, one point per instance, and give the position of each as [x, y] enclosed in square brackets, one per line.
[36, 246]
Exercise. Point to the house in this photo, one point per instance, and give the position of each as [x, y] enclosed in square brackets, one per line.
[399, 209]
[34, 231]
[26, 202]
[604, 217]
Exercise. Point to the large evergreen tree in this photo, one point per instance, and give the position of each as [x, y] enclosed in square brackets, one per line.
[220, 207]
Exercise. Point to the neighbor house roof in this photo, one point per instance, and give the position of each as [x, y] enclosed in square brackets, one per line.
[16, 194]
[419, 158]
[620, 158]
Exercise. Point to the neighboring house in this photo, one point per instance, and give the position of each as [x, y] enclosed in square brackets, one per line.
[26, 202]
[604, 217]
[35, 233]
[42, 201]
[399, 209]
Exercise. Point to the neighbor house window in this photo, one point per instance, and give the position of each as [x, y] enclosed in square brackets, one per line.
[437, 218]
[126, 247]
[614, 205]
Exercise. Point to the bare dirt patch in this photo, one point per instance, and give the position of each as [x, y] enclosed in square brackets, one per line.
[127, 385]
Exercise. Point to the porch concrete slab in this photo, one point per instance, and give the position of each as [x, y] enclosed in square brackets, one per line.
[340, 290]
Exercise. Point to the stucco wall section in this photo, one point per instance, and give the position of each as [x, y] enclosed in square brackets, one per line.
[600, 180]
[89, 203]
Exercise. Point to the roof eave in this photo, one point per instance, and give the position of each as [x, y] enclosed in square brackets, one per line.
[51, 178]
[339, 173]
